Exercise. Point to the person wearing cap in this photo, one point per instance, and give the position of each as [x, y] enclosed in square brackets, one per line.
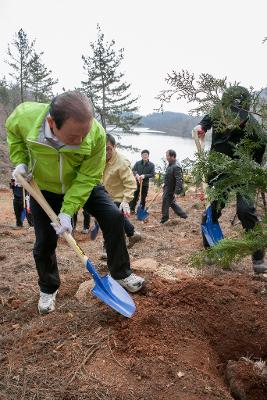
[236, 100]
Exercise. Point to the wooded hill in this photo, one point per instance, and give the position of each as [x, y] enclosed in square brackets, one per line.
[172, 123]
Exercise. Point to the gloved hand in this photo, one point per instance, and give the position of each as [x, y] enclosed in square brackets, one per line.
[125, 208]
[22, 169]
[65, 224]
[141, 177]
[200, 131]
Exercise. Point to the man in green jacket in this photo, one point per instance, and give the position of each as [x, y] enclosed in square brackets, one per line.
[64, 147]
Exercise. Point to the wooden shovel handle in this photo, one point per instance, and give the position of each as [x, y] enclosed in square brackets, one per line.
[141, 185]
[200, 148]
[36, 193]
[152, 201]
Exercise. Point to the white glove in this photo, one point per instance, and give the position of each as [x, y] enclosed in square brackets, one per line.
[125, 208]
[142, 176]
[64, 225]
[199, 131]
[22, 169]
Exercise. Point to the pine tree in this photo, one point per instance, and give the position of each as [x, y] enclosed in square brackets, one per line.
[4, 94]
[105, 86]
[240, 174]
[40, 81]
[19, 61]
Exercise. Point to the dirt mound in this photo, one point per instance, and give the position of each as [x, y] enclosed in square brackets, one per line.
[188, 335]
[247, 379]
[176, 346]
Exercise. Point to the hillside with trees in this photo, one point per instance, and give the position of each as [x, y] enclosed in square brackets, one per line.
[172, 123]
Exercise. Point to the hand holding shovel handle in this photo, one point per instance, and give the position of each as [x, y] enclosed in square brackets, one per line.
[36, 193]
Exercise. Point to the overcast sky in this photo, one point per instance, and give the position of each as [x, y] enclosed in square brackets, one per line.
[223, 38]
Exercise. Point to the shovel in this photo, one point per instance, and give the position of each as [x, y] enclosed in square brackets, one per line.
[141, 213]
[106, 288]
[144, 214]
[210, 230]
[94, 232]
[24, 211]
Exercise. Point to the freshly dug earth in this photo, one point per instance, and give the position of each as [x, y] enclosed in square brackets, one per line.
[187, 340]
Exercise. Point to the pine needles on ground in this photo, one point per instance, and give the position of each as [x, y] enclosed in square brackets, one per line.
[232, 250]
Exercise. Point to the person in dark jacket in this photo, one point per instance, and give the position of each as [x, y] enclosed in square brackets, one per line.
[18, 205]
[173, 185]
[142, 170]
[237, 99]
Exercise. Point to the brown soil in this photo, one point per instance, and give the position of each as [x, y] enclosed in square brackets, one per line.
[185, 342]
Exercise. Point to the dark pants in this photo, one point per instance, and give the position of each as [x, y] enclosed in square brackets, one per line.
[86, 220]
[18, 208]
[136, 196]
[169, 201]
[246, 213]
[111, 223]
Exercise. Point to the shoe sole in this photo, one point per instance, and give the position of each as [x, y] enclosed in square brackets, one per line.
[42, 312]
[133, 290]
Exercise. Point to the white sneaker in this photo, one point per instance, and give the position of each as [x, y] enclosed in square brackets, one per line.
[47, 302]
[132, 283]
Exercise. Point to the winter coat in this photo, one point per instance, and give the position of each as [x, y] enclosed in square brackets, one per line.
[225, 142]
[69, 170]
[173, 179]
[144, 168]
[118, 178]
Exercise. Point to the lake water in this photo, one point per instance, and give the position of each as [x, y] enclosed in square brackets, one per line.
[157, 144]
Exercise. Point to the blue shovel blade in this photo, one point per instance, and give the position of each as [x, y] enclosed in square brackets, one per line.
[23, 215]
[212, 231]
[111, 293]
[94, 231]
[141, 213]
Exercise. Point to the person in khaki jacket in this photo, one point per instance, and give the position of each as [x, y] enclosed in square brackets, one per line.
[120, 183]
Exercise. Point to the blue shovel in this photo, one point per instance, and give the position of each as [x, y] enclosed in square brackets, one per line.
[24, 211]
[106, 288]
[94, 232]
[141, 213]
[210, 230]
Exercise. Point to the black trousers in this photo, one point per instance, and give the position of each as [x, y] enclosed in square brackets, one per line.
[86, 220]
[136, 196]
[246, 213]
[169, 201]
[111, 222]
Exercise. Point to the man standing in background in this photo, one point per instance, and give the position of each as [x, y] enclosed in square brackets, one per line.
[173, 185]
[143, 170]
